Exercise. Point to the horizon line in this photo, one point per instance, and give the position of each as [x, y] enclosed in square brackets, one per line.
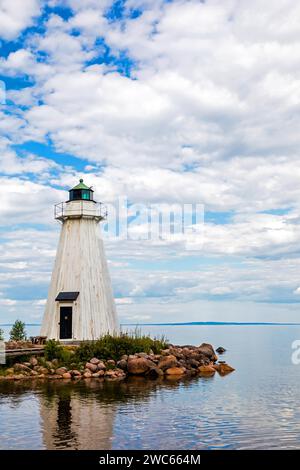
[188, 323]
[213, 323]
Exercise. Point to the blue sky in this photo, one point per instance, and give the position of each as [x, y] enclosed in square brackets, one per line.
[163, 102]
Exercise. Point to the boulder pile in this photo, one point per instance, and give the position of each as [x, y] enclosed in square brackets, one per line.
[174, 362]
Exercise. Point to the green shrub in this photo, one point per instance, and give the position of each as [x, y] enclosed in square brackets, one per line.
[113, 347]
[66, 356]
[1, 335]
[54, 350]
[18, 332]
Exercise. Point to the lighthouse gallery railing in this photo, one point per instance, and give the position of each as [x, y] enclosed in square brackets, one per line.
[62, 210]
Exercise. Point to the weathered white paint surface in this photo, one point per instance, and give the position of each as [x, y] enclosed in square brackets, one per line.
[81, 266]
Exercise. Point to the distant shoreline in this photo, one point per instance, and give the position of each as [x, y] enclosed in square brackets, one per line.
[197, 323]
[214, 323]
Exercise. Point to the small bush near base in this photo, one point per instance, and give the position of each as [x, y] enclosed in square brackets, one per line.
[53, 350]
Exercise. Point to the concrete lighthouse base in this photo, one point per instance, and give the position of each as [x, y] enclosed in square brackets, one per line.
[80, 303]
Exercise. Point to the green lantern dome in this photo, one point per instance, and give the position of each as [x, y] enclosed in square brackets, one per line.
[81, 192]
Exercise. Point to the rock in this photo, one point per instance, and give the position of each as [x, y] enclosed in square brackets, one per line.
[61, 371]
[67, 375]
[94, 361]
[165, 352]
[151, 364]
[186, 352]
[125, 357]
[175, 371]
[92, 367]
[111, 362]
[33, 361]
[209, 369]
[40, 369]
[21, 368]
[120, 374]
[75, 373]
[98, 374]
[142, 354]
[220, 350]
[178, 354]
[18, 376]
[55, 362]
[137, 366]
[167, 361]
[122, 364]
[27, 364]
[34, 373]
[101, 366]
[156, 357]
[10, 371]
[113, 374]
[55, 376]
[224, 369]
[208, 351]
[87, 374]
[193, 363]
[154, 373]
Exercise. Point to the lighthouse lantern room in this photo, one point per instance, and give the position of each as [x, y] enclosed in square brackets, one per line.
[80, 304]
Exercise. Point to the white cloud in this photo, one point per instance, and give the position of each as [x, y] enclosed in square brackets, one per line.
[202, 94]
[17, 15]
[255, 235]
[220, 290]
[39, 202]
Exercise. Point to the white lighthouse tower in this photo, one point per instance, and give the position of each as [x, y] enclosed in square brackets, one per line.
[80, 303]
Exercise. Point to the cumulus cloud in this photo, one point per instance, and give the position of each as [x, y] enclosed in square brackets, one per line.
[16, 16]
[197, 95]
[39, 201]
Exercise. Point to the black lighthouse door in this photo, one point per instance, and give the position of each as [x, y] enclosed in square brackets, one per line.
[65, 323]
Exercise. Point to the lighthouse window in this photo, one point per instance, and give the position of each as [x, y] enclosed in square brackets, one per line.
[86, 194]
[77, 194]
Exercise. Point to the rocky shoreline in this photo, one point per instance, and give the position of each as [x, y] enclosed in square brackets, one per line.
[173, 362]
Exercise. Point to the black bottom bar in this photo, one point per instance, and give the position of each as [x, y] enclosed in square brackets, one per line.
[143, 459]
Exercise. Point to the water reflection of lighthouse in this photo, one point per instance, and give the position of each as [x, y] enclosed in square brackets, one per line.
[66, 423]
[83, 415]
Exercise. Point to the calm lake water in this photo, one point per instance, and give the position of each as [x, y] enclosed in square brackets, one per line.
[255, 407]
